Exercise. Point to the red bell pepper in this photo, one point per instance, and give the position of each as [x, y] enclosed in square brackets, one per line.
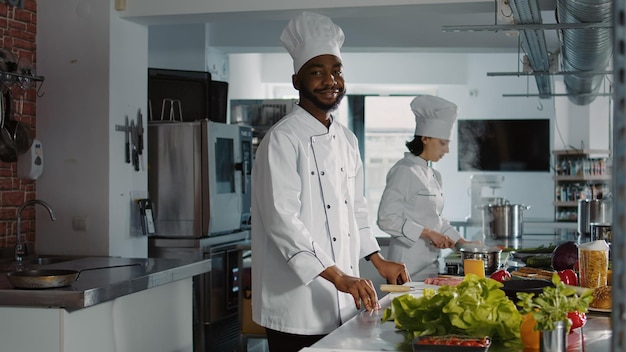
[568, 277]
[500, 275]
[578, 320]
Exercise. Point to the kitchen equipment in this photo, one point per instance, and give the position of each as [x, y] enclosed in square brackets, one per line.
[199, 177]
[216, 293]
[21, 133]
[8, 152]
[503, 221]
[489, 255]
[479, 184]
[50, 278]
[593, 211]
[601, 231]
[30, 164]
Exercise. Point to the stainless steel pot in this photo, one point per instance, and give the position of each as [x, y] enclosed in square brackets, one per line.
[504, 220]
[489, 255]
[593, 211]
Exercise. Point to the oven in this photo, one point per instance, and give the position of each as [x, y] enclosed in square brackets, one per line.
[216, 295]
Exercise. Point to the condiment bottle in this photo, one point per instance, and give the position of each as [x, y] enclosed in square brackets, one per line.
[593, 260]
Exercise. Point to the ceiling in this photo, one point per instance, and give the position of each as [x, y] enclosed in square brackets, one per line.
[399, 28]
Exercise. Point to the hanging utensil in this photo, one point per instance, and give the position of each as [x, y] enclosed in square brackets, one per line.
[21, 133]
[8, 152]
[127, 140]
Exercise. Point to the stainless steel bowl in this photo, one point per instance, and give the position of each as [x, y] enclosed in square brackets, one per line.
[489, 255]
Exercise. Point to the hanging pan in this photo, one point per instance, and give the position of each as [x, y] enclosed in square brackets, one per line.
[8, 153]
[22, 134]
[50, 278]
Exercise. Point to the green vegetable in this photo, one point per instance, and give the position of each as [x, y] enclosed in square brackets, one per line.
[553, 304]
[538, 261]
[476, 307]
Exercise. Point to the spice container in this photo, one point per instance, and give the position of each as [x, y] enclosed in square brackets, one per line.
[593, 259]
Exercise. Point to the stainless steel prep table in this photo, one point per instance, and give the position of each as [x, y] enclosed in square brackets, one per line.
[96, 286]
[365, 333]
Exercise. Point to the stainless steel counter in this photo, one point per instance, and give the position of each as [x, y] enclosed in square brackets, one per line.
[365, 333]
[96, 286]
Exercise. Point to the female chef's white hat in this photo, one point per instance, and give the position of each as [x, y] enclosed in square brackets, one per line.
[310, 35]
[434, 117]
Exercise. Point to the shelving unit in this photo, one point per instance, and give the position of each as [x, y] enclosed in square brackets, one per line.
[579, 174]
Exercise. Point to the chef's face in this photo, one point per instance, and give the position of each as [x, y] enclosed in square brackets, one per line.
[320, 82]
[434, 148]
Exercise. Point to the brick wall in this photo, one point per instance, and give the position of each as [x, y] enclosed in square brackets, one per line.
[18, 28]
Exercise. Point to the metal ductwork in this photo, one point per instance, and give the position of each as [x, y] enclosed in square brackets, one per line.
[533, 42]
[585, 50]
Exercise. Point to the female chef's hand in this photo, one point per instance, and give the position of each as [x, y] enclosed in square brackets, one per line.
[436, 239]
[362, 290]
[393, 272]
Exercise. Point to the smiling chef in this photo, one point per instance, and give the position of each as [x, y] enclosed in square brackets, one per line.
[309, 215]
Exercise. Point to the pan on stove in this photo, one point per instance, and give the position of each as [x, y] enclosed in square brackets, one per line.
[50, 278]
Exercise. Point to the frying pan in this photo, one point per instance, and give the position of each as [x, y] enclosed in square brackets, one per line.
[8, 153]
[50, 278]
[22, 134]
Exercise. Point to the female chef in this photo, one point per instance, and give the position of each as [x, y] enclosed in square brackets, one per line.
[412, 202]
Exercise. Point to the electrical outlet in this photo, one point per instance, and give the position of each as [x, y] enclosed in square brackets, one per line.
[79, 223]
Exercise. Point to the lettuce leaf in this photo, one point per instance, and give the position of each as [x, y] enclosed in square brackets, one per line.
[476, 307]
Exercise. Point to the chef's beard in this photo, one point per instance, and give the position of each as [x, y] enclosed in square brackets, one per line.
[307, 94]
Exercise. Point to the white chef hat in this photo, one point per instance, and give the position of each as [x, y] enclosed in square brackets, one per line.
[310, 35]
[434, 116]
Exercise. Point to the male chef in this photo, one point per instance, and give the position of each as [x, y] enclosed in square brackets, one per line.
[310, 223]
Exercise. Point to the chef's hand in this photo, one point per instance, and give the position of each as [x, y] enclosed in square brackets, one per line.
[393, 272]
[436, 239]
[362, 290]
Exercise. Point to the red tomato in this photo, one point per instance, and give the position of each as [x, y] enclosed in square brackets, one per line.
[578, 320]
[568, 277]
[500, 275]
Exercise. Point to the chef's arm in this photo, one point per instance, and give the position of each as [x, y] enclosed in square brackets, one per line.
[393, 272]
[360, 289]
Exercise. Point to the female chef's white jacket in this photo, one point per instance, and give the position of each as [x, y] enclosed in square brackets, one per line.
[413, 200]
[308, 213]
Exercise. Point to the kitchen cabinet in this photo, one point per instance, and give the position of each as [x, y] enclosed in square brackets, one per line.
[158, 319]
[579, 174]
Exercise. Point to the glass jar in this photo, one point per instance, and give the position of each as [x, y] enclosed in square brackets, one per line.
[593, 259]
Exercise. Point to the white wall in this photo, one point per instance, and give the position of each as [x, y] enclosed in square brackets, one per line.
[94, 66]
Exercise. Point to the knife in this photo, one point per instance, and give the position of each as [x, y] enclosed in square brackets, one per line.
[133, 136]
[127, 134]
[139, 133]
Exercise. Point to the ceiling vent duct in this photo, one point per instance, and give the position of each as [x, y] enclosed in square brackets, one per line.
[533, 43]
[585, 50]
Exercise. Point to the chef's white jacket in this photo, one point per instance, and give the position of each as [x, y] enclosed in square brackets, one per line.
[413, 200]
[308, 213]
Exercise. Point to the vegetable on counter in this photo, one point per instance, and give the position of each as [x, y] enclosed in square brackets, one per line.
[500, 275]
[538, 261]
[568, 277]
[565, 256]
[578, 320]
[476, 307]
[554, 304]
